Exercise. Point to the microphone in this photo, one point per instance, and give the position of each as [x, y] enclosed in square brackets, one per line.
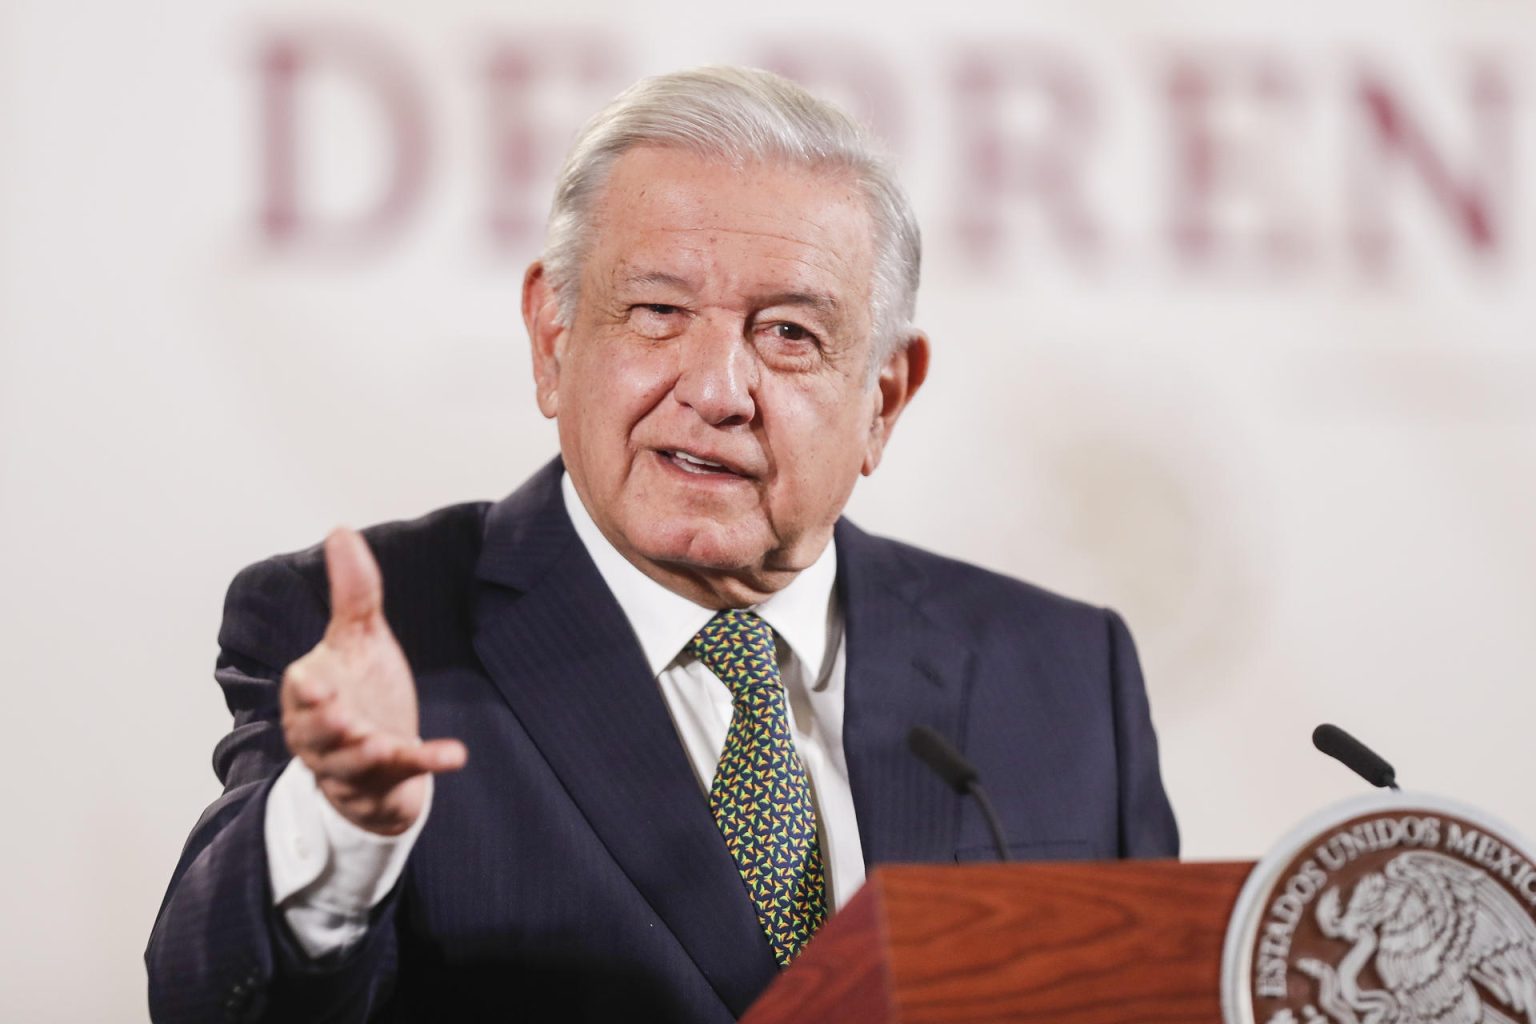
[958, 774]
[1356, 756]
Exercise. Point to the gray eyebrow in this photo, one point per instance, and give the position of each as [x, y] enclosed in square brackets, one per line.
[658, 277]
[815, 300]
[822, 303]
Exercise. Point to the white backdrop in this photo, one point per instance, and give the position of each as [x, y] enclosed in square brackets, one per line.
[1234, 311]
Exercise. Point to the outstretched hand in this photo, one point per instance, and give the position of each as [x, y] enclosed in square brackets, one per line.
[349, 705]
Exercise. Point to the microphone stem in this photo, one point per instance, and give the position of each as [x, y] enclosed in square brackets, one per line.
[987, 811]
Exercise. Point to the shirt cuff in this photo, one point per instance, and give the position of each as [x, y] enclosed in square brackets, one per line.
[326, 872]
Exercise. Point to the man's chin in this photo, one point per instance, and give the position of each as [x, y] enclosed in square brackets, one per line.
[707, 551]
[703, 544]
[714, 564]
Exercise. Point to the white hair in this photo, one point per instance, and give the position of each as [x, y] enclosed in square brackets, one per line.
[739, 115]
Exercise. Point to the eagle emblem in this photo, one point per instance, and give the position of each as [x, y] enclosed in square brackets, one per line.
[1445, 942]
[1400, 908]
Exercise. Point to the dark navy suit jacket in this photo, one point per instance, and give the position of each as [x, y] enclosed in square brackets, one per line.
[572, 871]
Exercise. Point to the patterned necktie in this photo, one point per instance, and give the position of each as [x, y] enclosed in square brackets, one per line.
[761, 798]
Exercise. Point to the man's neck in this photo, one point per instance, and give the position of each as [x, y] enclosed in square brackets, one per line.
[665, 618]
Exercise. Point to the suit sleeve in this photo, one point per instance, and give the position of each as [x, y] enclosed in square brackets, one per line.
[1147, 826]
[219, 950]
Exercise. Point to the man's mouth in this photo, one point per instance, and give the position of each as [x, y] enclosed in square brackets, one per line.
[699, 466]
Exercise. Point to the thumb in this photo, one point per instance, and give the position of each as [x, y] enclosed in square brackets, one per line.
[357, 591]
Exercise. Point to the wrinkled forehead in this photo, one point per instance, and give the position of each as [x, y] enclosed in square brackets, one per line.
[667, 214]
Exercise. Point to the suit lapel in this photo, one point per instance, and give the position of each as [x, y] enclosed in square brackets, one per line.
[563, 655]
[903, 670]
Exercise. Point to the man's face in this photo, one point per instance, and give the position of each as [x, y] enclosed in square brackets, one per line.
[713, 390]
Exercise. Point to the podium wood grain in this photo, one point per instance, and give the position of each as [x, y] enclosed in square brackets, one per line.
[1130, 942]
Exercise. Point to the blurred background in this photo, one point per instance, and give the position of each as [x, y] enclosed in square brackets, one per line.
[1234, 311]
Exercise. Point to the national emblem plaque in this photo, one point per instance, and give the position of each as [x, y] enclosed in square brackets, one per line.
[1387, 909]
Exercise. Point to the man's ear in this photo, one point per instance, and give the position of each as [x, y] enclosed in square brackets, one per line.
[546, 336]
[903, 373]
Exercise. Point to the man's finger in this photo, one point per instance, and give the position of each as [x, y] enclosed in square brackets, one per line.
[314, 732]
[444, 755]
[383, 761]
[357, 590]
[303, 687]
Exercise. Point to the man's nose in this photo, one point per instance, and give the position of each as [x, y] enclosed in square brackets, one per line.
[717, 373]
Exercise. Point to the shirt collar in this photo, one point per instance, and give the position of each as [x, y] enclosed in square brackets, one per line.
[665, 622]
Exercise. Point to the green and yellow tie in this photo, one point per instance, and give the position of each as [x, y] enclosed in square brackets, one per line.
[761, 798]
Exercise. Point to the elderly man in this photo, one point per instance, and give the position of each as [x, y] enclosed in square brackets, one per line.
[669, 687]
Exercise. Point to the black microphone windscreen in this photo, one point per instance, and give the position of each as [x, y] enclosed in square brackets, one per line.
[1356, 756]
[937, 753]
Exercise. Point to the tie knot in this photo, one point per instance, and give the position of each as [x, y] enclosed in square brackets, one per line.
[737, 646]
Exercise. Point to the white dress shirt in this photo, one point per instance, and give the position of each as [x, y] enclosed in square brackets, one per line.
[327, 873]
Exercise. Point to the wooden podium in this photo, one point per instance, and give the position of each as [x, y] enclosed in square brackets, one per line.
[1124, 942]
